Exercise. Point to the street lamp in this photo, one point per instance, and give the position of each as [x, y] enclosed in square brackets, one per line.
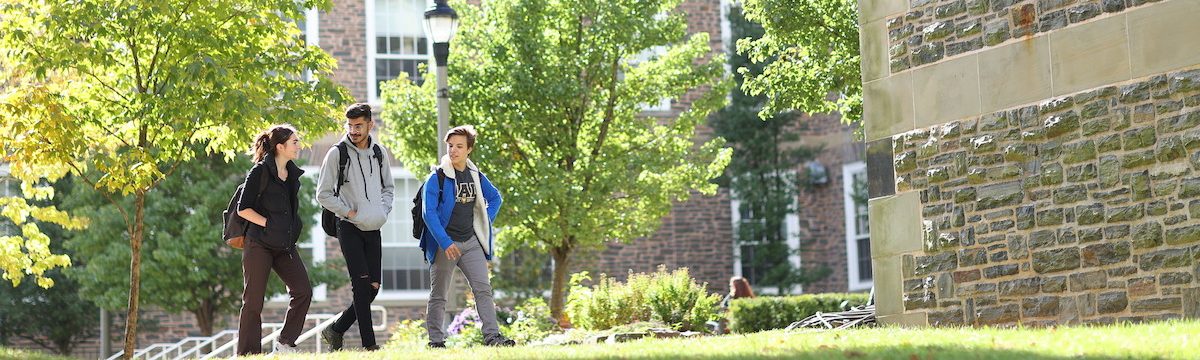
[440, 23]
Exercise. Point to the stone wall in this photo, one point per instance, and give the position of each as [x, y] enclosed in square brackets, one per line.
[1080, 209]
[933, 29]
[1045, 177]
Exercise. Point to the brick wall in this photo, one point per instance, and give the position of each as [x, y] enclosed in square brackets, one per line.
[696, 234]
[822, 207]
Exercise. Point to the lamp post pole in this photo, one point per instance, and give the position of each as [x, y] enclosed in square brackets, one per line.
[441, 21]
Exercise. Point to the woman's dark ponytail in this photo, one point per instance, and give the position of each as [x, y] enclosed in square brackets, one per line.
[265, 142]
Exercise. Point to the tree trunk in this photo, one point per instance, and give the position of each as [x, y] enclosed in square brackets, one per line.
[204, 317]
[135, 273]
[559, 286]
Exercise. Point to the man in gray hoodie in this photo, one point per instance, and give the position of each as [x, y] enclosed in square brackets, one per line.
[362, 204]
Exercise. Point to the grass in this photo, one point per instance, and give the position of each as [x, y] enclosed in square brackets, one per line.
[6, 353]
[1163, 340]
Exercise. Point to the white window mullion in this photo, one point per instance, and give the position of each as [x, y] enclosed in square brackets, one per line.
[854, 276]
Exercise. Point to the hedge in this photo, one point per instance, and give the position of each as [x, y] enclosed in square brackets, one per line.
[775, 312]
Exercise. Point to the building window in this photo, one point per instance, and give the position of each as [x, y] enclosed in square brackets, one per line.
[396, 42]
[405, 273]
[652, 53]
[754, 258]
[858, 231]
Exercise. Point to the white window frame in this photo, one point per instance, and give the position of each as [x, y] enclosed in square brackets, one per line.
[792, 231]
[399, 173]
[319, 249]
[372, 89]
[852, 237]
[312, 34]
[316, 243]
[664, 104]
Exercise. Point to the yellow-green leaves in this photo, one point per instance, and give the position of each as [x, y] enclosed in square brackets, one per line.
[29, 253]
[120, 93]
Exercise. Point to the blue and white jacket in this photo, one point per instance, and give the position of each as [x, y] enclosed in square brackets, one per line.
[437, 213]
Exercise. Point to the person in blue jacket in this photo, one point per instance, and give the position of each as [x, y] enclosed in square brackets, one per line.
[459, 223]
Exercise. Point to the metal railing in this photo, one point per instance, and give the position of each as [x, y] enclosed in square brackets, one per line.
[224, 343]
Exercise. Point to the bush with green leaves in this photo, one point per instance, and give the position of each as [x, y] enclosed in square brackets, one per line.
[533, 321]
[673, 298]
[676, 299]
[408, 334]
[749, 315]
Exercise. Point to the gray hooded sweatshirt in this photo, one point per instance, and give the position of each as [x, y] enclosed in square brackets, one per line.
[362, 190]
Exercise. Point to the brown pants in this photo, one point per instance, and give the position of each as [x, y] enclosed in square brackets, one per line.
[257, 263]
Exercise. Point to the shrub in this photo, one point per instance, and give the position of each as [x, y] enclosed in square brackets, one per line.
[767, 313]
[672, 298]
[469, 336]
[465, 319]
[676, 299]
[408, 334]
[533, 321]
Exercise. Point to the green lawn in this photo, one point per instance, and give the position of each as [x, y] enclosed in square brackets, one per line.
[26, 355]
[1166, 340]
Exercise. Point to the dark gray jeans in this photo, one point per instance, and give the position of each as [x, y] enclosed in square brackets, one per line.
[474, 266]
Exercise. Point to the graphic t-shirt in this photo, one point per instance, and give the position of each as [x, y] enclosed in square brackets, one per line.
[462, 220]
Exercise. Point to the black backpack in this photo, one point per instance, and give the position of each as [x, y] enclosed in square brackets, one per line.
[417, 215]
[235, 225]
[328, 218]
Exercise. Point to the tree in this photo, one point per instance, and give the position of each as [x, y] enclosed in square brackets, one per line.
[57, 318]
[556, 93]
[120, 93]
[187, 267]
[810, 51]
[761, 175]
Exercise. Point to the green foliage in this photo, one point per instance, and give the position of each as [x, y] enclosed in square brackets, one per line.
[672, 298]
[120, 93]
[522, 273]
[533, 321]
[126, 91]
[470, 336]
[187, 266]
[762, 174]
[677, 300]
[408, 334]
[748, 315]
[553, 88]
[809, 50]
[56, 318]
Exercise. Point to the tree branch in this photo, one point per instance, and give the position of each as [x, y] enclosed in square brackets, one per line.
[103, 193]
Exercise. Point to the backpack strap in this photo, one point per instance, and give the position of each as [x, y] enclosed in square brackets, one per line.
[343, 161]
[379, 159]
[441, 178]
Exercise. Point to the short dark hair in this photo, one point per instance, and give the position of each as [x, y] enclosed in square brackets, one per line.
[357, 110]
[465, 130]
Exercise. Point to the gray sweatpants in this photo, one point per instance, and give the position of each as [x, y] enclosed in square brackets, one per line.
[474, 266]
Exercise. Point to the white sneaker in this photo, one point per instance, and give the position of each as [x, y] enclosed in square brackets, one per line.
[280, 348]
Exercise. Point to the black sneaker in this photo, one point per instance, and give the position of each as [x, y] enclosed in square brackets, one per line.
[437, 345]
[332, 338]
[498, 340]
[372, 348]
